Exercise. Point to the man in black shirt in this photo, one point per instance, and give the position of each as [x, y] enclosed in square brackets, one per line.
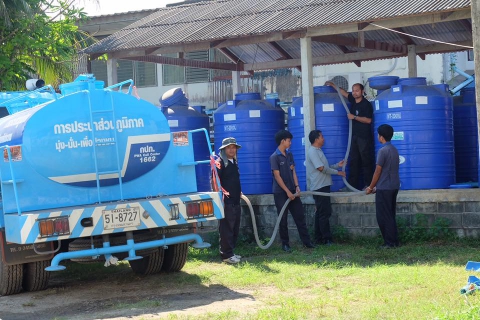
[229, 176]
[362, 149]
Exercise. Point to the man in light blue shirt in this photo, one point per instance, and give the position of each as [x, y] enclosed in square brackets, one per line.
[319, 175]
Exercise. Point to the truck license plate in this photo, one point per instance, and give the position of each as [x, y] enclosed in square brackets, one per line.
[121, 218]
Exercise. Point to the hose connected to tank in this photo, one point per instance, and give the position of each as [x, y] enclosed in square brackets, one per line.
[355, 192]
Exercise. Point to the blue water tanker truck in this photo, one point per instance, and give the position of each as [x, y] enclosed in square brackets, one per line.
[96, 175]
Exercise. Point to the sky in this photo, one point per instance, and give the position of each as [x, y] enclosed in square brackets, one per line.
[115, 6]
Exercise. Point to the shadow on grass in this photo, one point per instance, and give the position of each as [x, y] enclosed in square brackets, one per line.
[362, 252]
[99, 292]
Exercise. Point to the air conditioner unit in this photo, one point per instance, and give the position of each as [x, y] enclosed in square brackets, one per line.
[346, 80]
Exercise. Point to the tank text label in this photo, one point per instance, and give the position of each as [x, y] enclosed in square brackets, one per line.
[147, 154]
[101, 125]
[394, 115]
[74, 144]
[230, 127]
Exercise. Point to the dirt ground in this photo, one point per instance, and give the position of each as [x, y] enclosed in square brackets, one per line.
[123, 295]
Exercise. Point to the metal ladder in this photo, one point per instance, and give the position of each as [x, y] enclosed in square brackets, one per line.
[117, 171]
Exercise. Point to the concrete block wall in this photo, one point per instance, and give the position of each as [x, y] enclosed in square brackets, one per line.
[357, 214]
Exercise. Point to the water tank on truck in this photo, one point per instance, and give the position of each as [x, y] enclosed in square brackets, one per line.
[102, 170]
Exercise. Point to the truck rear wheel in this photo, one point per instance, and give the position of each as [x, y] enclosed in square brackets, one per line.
[10, 278]
[175, 257]
[148, 264]
[35, 277]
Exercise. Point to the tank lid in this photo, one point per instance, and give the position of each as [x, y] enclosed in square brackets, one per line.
[248, 96]
[323, 89]
[174, 96]
[382, 82]
[416, 81]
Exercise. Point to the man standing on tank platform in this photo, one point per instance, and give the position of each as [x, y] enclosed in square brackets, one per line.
[362, 146]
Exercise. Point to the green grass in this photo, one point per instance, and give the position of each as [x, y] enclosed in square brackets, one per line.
[353, 280]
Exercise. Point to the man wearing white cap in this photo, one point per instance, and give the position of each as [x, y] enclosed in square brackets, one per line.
[229, 176]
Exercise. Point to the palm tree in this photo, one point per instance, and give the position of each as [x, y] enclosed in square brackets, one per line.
[8, 8]
[38, 39]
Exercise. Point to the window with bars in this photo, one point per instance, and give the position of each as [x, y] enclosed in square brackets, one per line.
[178, 75]
[144, 74]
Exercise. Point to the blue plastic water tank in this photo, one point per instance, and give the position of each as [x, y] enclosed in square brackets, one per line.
[184, 118]
[331, 119]
[466, 136]
[253, 122]
[296, 127]
[422, 117]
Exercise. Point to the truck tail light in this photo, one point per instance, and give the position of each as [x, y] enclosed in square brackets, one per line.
[54, 227]
[198, 209]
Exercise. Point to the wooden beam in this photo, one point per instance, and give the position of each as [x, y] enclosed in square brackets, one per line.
[216, 43]
[467, 25]
[344, 49]
[361, 39]
[363, 25]
[96, 56]
[280, 50]
[357, 56]
[230, 55]
[190, 63]
[408, 40]
[440, 47]
[368, 44]
[399, 22]
[283, 53]
[150, 51]
[331, 59]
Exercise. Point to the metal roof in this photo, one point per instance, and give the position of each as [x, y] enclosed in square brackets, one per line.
[219, 20]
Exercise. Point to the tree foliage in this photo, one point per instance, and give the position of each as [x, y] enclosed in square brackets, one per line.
[39, 38]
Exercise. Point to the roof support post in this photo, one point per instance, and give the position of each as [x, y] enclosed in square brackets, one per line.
[112, 77]
[307, 88]
[476, 52]
[412, 61]
[236, 87]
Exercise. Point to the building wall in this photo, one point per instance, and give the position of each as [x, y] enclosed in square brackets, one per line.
[357, 214]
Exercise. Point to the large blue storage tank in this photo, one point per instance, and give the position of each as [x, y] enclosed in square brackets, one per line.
[253, 122]
[295, 126]
[71, 152]
[181, 117]
[331, 119]
[422, 117]
[466, 135]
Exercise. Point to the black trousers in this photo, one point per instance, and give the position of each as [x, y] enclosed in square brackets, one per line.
[229, 228]
[362, 158]
[386, 208]
[322, 216]
[295, 208]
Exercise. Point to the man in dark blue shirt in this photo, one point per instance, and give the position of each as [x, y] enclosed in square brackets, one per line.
[285, 186]
[386, 182]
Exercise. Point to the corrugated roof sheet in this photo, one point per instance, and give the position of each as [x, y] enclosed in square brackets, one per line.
[223, 19]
